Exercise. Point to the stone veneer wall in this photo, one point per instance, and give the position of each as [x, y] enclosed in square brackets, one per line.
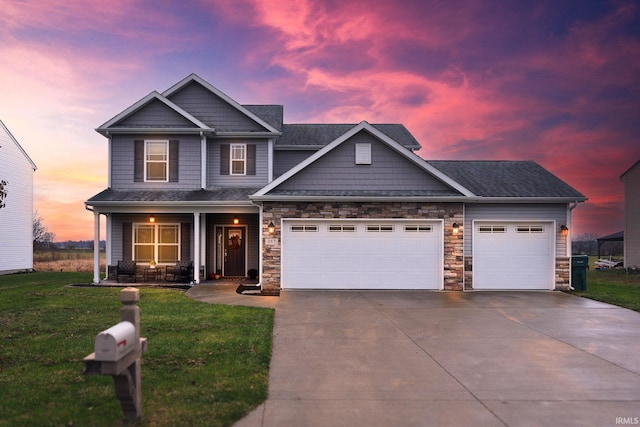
[563, 273]
[449, 212]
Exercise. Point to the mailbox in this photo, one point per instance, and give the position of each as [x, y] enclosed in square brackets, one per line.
[116, 342]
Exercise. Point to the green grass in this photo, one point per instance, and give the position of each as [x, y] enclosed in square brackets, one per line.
[614, 287]
[206, 365]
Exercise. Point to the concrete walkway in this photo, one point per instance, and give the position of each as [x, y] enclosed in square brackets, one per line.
[414, 358]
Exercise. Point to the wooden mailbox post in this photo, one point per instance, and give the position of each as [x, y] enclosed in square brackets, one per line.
[123, 366]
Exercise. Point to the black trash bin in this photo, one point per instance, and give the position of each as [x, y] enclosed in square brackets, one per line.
[579, 267]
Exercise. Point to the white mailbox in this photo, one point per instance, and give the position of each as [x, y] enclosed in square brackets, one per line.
[116, 342]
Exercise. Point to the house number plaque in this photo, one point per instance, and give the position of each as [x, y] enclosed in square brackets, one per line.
[271, 241]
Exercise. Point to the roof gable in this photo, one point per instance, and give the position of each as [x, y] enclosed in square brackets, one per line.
[630, 171]
[215, 108]
[6, 135]
[154, 111]
[352, 180]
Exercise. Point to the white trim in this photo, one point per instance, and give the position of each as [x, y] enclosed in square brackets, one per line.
[243, 159]
[166, 161]
[104, 128]
[195, 78]
[15, 141]
[414, 158]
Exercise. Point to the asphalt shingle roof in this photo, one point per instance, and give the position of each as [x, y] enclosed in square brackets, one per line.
[215, 195]
[506, 178]
[323, 134]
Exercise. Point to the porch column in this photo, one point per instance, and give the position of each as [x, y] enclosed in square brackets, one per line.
[196, 247]
[96, 248]
[107, 248]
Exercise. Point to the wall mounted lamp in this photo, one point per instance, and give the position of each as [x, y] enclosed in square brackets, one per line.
[271, 227]
[456, 228]
[152, 219]
[236, 220]
[564, 231]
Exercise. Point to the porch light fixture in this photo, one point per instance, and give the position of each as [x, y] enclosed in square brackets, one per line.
[152, 219]
[456, 228]
[236, 220]
[271, 227]
[564, 231]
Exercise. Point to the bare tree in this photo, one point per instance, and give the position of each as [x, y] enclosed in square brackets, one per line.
[42, 238]
[585, 243]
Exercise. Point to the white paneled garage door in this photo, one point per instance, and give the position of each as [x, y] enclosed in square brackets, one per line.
[513, 255]
[359, 254]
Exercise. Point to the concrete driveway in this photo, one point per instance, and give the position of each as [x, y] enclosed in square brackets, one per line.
[414, 358]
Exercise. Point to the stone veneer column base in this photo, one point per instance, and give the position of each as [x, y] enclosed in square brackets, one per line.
[563, 273]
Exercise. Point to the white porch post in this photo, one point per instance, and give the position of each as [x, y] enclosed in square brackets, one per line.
[107, 248]
[196, 247]
[96, 247]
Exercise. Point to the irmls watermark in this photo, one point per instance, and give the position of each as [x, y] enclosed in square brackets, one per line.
[628, 421]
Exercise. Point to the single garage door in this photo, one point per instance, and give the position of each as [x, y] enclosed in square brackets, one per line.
[357, 254]
[509, 255]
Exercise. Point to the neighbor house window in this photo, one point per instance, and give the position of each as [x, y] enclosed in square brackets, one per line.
[156, 161]
[157, 242]
[238, 159]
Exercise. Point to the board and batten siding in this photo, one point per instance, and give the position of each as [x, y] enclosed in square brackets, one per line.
[123, 158]
[16, 217]
[514, 212]
[631, 180]
[216, 179]
[388, 171]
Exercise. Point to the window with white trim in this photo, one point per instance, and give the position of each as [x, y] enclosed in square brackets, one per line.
[529, 229]
[238, 159]
[303, 228]
[418, 228]
[496, 229]
[156, 161]
[157, 242]
[342, 228]
[379, 228]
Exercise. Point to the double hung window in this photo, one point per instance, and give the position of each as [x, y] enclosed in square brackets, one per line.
[156, 161]
[238, 159]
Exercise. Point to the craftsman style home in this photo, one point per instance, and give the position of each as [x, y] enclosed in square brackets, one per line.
[196, 177]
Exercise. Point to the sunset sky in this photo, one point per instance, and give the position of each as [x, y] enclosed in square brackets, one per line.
[557, 82]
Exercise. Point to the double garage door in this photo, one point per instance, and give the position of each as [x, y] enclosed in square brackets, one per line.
[513, 255]
[359, 254]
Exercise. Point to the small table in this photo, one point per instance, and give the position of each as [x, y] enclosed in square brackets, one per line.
[152, 273]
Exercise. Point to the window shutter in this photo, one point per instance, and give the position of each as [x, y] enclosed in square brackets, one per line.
[185, 243]
[251, 159]
[173, 160]
[138, 155]
[224, 159]
[127, 241]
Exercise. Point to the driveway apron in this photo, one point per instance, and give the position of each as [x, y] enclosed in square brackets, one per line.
[416, 358]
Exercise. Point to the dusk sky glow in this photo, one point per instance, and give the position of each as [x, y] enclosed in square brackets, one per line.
[557, 82]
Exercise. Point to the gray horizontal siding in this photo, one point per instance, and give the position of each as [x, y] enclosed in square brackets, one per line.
[389, 170]
[122, 163]
[283, 160]
[514, 212]
[215, 179]
[156, 114]
[213, 110]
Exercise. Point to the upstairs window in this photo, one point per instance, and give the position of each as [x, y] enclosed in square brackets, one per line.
[238, 159]
[156, 161]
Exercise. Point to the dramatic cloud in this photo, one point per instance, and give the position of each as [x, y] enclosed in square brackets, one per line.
[554, 82]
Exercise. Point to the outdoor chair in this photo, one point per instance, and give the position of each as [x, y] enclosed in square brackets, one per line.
[180, 272]
[126, 268]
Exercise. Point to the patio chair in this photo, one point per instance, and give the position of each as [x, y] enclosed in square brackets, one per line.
[126, 268]
[182, 271]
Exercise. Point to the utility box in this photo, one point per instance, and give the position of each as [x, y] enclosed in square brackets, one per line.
[579, 267]
[116, 342]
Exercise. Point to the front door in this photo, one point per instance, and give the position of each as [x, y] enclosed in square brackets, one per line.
[235, 243]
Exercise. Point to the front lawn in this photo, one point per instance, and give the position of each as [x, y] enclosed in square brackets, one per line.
[614, 287]
[206, 365]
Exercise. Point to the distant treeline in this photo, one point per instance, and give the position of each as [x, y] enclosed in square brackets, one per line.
[77, 244]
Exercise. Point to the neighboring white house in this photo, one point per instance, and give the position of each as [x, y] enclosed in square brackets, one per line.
[631, 180]
[16, 205]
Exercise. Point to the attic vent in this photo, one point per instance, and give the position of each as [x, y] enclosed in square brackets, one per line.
[363, 154]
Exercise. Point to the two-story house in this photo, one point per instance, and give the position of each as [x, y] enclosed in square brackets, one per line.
[194, 175]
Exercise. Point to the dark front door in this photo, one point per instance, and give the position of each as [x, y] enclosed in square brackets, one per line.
[234, 251]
